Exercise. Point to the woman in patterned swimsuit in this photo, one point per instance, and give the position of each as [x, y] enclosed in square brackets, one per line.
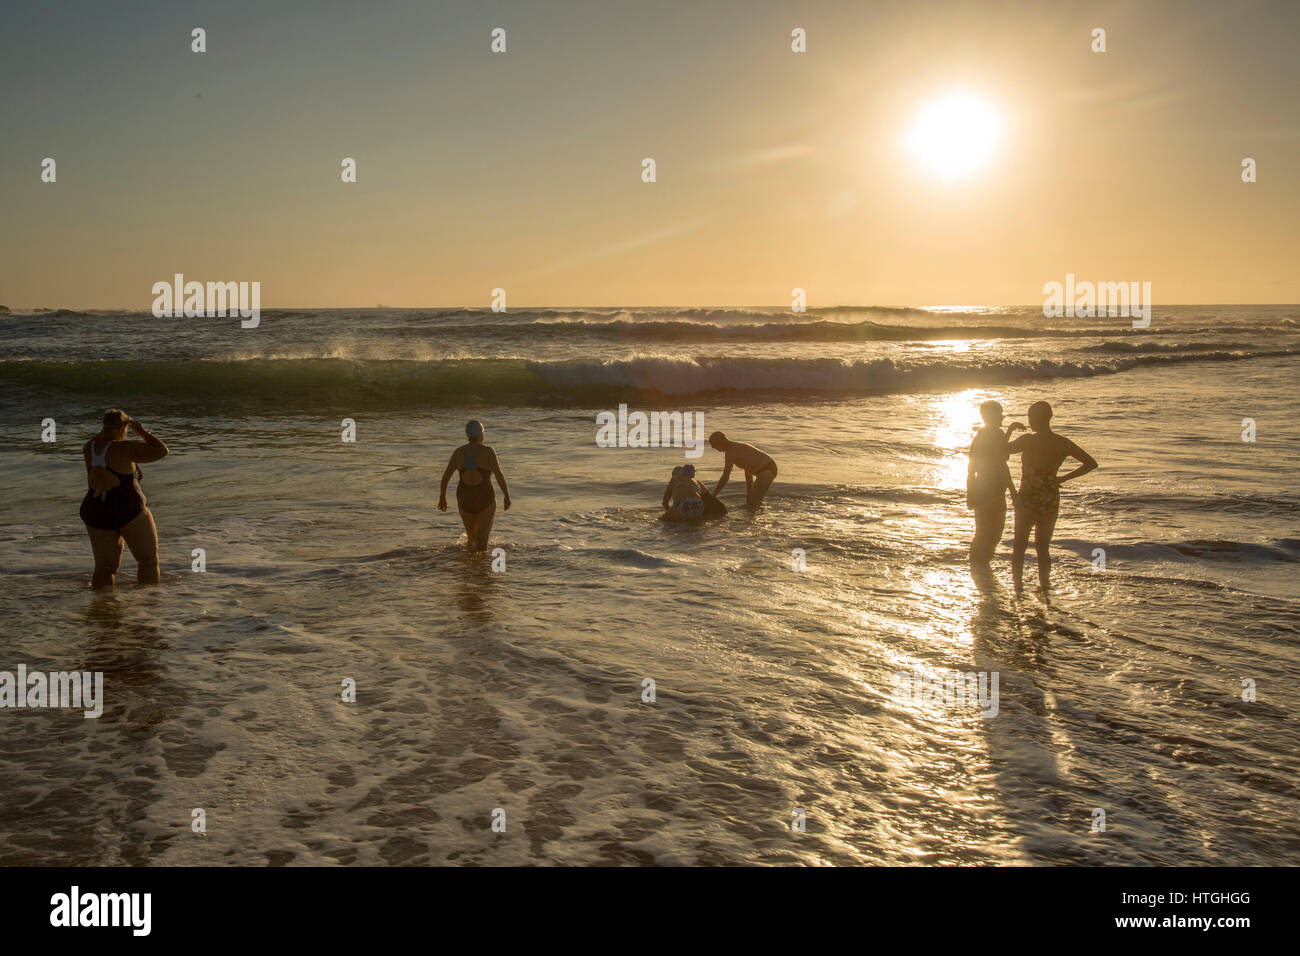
[1039, 499]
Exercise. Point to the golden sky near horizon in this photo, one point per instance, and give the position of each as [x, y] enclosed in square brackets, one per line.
[522, 170]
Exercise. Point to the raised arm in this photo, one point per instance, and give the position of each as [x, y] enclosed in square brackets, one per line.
[501, 480]
[149, 448]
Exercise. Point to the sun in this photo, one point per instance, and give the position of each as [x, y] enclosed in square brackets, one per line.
[955, 136]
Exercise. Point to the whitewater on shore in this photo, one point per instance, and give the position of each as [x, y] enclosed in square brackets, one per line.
[773, 640]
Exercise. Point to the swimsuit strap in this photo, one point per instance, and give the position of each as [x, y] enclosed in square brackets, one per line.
[99, 459]
[471, 460]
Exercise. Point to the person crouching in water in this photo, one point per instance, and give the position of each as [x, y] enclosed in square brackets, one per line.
[686, 499]
[759, 467]
[988, 479]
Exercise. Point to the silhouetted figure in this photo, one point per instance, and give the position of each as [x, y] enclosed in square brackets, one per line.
[115, 509]
[1041, 454]
[988, 479]
[475, 499]
[686, 498]
[760, 469]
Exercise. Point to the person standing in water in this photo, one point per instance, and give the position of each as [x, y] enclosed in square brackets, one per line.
[475, 499]
[1041, 453]
[115, 509]
[760, 469]
[988, 479]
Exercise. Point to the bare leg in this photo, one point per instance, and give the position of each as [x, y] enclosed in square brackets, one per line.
[1043, 545]
[1018, 545]
[107, 546]
[483, 529]
[142, 538]
[762, 481]
[469, 520]
[990, 522]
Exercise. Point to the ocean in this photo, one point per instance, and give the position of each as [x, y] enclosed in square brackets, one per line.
[519, 696]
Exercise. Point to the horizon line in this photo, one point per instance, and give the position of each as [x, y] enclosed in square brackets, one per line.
[507, 311]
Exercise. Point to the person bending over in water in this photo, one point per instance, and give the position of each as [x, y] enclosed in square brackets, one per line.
[477, 463]
[1041, 453]
[686, 499]
[760, 469]
[115, 509]
[988, 479]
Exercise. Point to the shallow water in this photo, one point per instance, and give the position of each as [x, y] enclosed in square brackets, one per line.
[521, 690]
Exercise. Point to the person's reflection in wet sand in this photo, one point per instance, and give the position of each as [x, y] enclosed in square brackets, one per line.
[997, 630]
[475, 588]
[124, 645]
[1023, 742]
[140, 704]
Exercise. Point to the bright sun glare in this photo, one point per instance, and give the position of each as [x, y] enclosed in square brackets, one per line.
[955, 135]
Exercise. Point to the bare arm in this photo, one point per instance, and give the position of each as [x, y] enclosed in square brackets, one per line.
[970, 471]
[150, 448]
[1088, 463]
[501, 479]
[668, 494]
[722, 481]
[446, 477]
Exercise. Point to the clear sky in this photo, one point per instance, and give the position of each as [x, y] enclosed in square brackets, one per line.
[522, 170]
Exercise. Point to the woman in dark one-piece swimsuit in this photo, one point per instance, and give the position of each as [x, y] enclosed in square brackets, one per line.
[475, 499]
[115, 509]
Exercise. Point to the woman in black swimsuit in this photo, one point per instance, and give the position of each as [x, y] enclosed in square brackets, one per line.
[115, 509]
[477, 463]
